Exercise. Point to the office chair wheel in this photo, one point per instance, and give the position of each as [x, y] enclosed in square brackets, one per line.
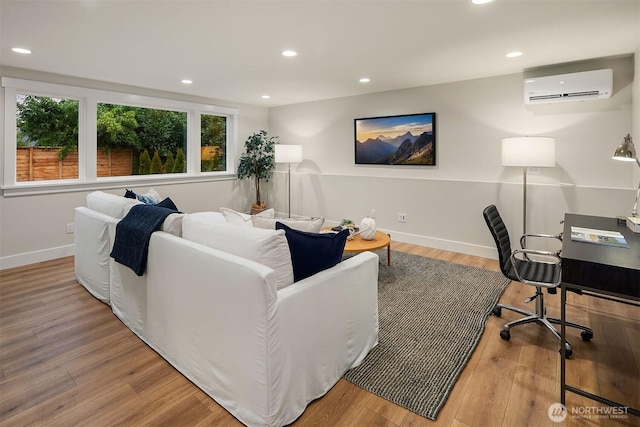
[568, 351]
[586, 335]
[497, 311]
[505, 335]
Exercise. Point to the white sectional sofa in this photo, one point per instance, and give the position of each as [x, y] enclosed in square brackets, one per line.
[261, 348]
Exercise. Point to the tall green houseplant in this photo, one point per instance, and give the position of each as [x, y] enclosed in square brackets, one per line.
[258, 162]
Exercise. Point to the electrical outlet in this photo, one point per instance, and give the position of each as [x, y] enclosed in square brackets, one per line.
[402, 217]
[70, 228]
[372, 214]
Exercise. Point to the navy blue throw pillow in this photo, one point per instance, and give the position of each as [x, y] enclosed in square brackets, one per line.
[167, 203]
[313, 252]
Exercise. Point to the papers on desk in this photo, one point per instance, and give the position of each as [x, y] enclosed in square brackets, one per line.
[600, 237]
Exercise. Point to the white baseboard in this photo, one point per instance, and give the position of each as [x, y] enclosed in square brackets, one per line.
[432, 242]
[19, 260]
[447, 245]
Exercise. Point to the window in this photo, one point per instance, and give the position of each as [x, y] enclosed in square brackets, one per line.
[213, 143]
[46, 138]
[60, 137]
[140, 141]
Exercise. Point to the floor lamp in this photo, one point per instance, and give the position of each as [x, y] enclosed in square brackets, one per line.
[539, 152]
[627, 152]
[288, 154]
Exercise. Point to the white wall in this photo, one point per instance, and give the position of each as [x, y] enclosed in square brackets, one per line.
[33, 228]
[444, 203]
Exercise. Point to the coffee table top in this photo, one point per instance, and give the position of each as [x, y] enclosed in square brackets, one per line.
[358, 244]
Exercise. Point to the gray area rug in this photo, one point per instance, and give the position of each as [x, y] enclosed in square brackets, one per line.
[432, 314]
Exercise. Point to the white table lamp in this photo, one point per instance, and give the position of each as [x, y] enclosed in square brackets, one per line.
[288, 154]
[527, 152]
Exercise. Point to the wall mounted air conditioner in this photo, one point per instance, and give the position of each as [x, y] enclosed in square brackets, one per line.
[597, 84]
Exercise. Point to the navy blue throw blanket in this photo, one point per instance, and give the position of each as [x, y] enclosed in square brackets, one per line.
[133, 233]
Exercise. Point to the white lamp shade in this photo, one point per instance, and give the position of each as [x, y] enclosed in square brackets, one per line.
[529, 152]
[288, 153]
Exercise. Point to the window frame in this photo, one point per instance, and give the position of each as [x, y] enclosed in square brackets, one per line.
[88, 100]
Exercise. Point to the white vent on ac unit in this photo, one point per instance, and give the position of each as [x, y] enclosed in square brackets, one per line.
[597, 84]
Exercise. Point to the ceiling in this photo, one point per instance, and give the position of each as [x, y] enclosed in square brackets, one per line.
[231, 49]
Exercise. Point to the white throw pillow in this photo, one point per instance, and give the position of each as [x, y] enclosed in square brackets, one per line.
[207, 218]
[268, 247]
[239, 218]
[110, 204]
[311, 225]
[154, 195]
[173, 224]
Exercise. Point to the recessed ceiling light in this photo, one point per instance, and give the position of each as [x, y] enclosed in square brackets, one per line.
[289, 53]
[266, 96]
[21, 50]
[186, 81]
[514, 54]
[481, 1]
[365, 80]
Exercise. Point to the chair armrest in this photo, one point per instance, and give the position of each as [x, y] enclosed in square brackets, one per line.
[526, 253]
[545, 236]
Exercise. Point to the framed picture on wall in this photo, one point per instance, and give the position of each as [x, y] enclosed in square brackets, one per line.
[408, 139]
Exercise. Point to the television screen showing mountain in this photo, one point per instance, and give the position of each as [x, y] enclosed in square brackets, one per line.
[408, 139]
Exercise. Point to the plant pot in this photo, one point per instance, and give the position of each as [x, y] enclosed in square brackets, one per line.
[256, 209]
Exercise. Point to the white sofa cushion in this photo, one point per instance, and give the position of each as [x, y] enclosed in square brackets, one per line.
[311, 225]
[206, 217]
[110, 204]
[267, 247]
[173, 224]
[239, 218]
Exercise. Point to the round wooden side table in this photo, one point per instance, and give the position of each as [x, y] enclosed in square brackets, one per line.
[358, 244]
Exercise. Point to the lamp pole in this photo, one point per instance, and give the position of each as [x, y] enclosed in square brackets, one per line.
[528, 152]
[288, 154]
[524, 203]
[289, 190]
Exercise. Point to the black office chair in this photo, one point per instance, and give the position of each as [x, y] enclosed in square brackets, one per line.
[541, 269]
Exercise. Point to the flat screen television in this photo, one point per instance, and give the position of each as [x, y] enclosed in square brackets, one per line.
[408, 139]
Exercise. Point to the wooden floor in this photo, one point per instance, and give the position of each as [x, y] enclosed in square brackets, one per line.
[66, 360]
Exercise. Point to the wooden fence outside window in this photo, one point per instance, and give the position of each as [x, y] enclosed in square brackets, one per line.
[44, 163]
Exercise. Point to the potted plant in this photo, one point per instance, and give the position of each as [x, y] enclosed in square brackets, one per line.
[258, 162]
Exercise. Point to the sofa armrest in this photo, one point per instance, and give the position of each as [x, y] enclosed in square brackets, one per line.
[328, 323]
[210, 314]
[92, 247]
[262, 354]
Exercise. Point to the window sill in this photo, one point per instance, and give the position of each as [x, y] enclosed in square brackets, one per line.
[41, 187]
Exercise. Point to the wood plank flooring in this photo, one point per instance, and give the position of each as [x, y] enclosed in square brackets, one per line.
[66, 360]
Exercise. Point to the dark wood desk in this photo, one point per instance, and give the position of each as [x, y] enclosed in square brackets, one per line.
[597, 270]
[606, 269]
